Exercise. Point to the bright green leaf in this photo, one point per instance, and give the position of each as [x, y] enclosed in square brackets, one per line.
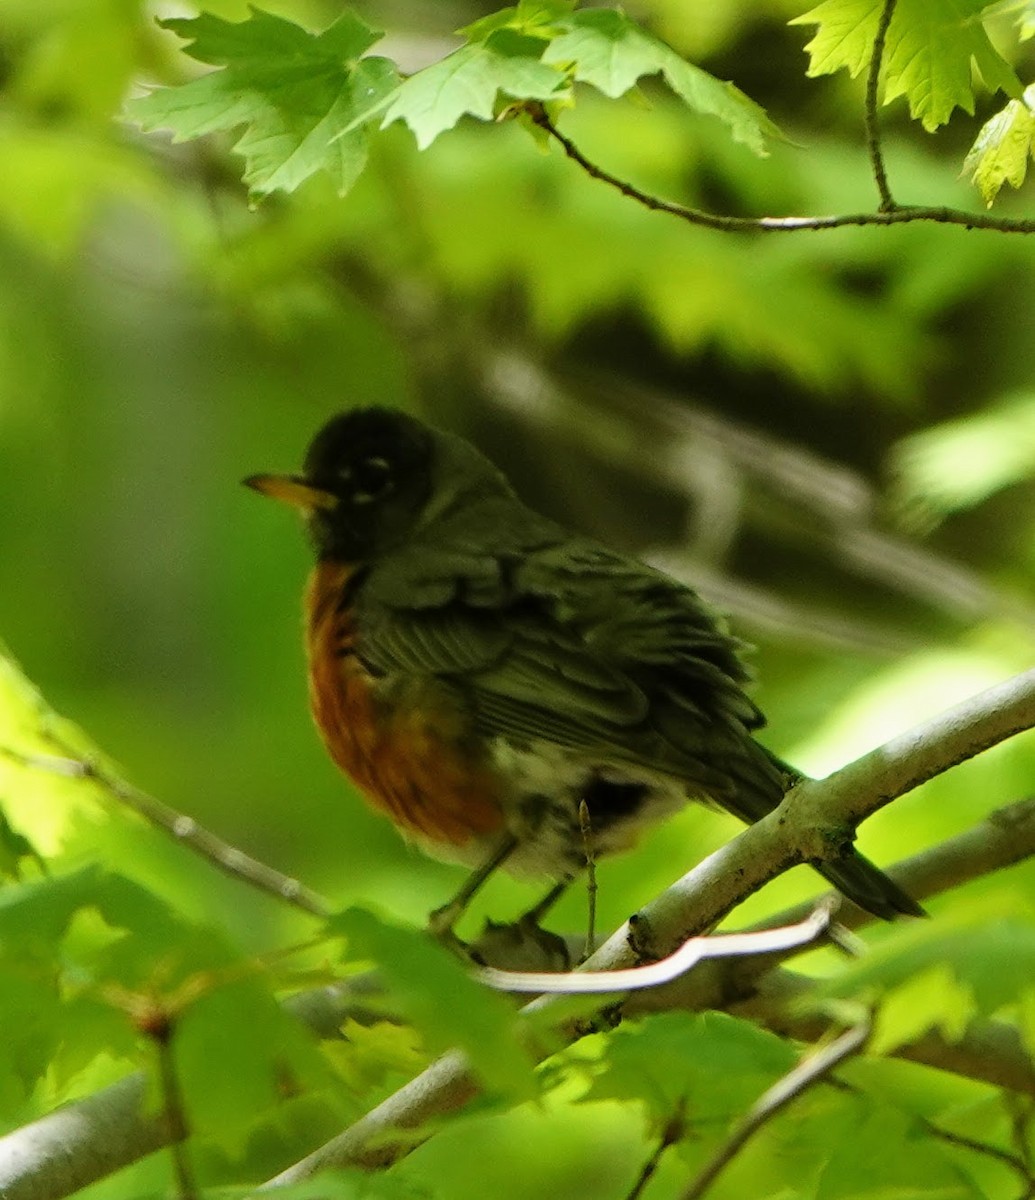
[537, 18]
[90, 1027]
[611, 53]
[479, 30]
[52, 999]
[22, 706]
[468, 81]
[373, 1059]
[992, 960]
[888, 1157]
[265, 41]
[716, 1063]
[933, 999]
[928, 55]
[30, 1005]
[35, 915]
[532, 14]
[847, 29]
[435, 992]
[1001, 150]
[303, 98]
[239, 1054]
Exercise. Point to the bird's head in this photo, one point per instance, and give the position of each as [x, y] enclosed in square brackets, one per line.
[373, 475]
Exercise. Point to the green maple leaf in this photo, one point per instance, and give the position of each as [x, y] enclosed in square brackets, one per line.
[305, 99]
[1001, 150]
[444, 1003]
[468, 82]
[611, 53]
[928, 55]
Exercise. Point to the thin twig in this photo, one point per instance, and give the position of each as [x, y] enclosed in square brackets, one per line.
[675, 1129]
[808, 1072]
[903, 215]
[887, 202]
[184, 829]
[1013, 1161]
[175, 1115]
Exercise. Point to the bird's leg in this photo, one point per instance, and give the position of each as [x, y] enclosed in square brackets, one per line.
[523, 945]
[442, 920]
[538, 911]
[586, 829]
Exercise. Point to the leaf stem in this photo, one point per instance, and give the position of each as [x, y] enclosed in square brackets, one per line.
[674, 1131]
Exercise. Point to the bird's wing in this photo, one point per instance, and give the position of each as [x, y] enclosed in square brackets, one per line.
[573, 644]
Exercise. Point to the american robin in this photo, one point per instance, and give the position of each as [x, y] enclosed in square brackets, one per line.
[480, 672]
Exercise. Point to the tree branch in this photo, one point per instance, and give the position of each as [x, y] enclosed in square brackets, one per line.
[812, 1068]
[92, 1138]
[801, 828]
[903, 215]
[1004, 838]
[184, 829]
[991, 1051]
[816, 815]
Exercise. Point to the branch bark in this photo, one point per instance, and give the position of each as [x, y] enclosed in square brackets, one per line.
[74, 1146]
[809, 824]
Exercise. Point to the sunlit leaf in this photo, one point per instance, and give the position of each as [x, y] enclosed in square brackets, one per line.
[353, 1185]
[15, 849]
[468, 82]
[928, 54]
[886, 1156]
[932, 999]
[607, 50]
[939, 976]
[1001, 150]
[52, 1001]
[712, 1062]
[434, 991]
[265, 1057]
[303, 98]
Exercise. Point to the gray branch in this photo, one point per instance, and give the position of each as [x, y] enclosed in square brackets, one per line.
[92, 1138]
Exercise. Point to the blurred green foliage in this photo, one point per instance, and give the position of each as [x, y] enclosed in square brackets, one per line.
[856, 484]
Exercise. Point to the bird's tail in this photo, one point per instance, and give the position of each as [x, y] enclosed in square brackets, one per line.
[853, 875]
[866, 885]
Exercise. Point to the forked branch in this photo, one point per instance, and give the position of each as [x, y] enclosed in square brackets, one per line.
[888, 212]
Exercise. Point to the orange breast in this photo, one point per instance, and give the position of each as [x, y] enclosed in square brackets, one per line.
[404, 747]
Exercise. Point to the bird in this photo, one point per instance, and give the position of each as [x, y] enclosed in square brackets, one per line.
[510, 693]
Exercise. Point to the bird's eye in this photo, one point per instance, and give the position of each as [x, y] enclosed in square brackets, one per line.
[372, 480]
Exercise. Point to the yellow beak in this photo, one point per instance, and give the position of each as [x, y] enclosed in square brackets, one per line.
[289, 489]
